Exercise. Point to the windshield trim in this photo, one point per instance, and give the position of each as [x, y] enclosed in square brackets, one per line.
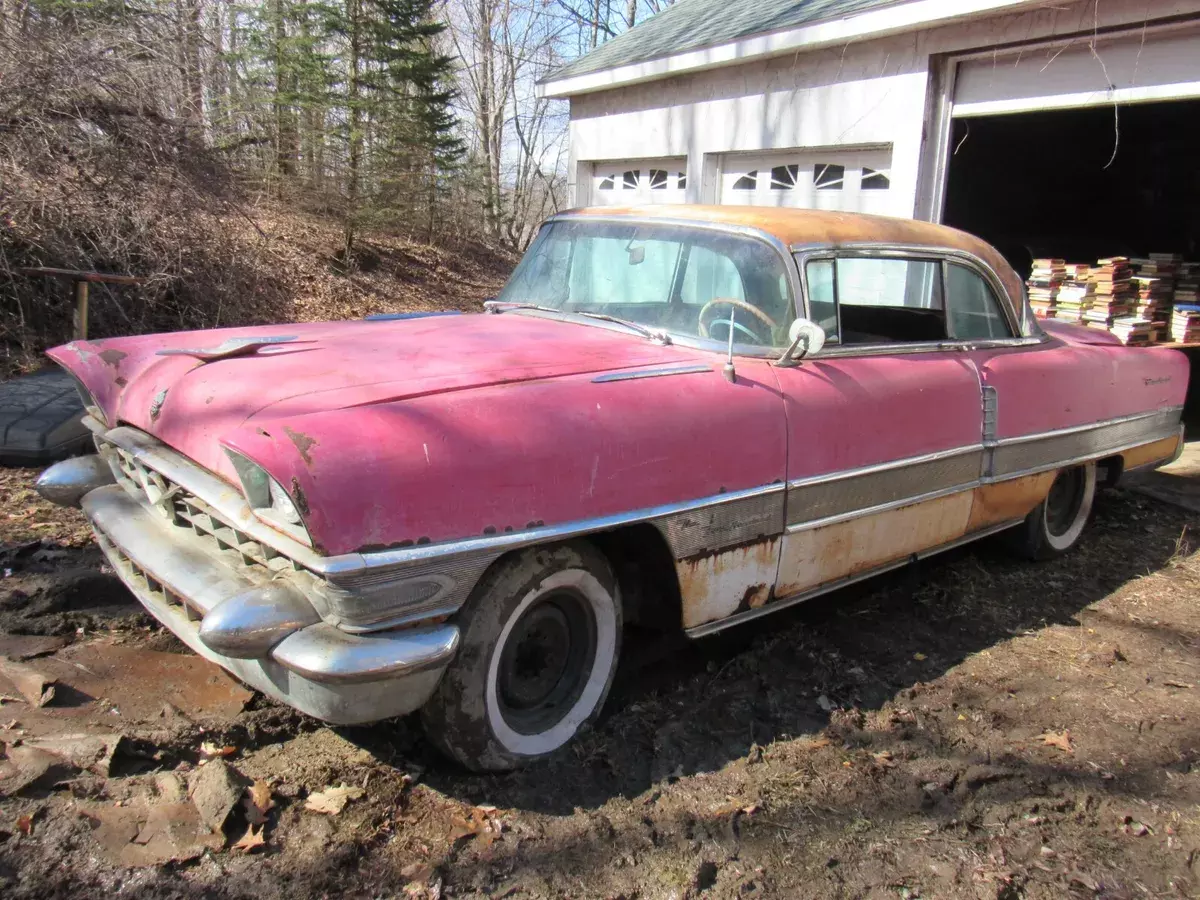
[691, 342]
[781, 249]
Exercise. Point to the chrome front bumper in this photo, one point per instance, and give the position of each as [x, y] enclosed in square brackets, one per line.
[319, 669]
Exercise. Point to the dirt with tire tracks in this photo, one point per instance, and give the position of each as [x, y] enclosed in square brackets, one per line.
[975, 727]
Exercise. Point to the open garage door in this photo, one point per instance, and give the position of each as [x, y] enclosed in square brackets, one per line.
[1059, 152]
[838, 179]
[1137, 67]
[634, 182]
[1047, 161]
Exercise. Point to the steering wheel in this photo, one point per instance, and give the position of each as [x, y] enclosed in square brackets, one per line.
[706, 324]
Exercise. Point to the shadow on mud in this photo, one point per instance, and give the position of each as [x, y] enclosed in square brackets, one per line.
[680, 708]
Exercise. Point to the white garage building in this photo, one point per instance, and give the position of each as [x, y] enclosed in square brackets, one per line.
[1063, 127]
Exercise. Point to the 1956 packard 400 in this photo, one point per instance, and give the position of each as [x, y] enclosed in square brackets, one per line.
[681, 416]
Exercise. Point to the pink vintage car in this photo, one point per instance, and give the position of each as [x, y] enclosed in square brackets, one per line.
[685, 417]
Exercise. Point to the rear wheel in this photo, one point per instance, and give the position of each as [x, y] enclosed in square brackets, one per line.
[540, 639]
[1058, 521]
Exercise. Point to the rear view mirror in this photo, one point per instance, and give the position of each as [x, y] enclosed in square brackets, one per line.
[637, 256]
[806, 337]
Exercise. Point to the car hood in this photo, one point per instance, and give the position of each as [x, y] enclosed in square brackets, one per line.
[192, 405]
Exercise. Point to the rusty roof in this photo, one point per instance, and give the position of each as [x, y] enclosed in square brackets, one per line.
[812, 226]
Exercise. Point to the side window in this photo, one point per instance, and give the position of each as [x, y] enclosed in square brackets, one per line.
[879, 300]
[822, 306]
[973, 310]
[708, 275]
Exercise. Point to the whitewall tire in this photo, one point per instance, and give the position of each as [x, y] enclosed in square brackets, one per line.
[541, 637]
[1057, 523]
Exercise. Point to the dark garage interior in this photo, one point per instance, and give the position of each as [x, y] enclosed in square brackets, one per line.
[1047, 184]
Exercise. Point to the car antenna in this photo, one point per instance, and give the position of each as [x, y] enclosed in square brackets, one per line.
[727, 370]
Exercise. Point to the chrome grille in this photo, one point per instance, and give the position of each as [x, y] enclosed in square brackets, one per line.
[185, 510]
[143, 582]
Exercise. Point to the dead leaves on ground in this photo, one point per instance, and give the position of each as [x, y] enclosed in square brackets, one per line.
[258, 802]
[1059, 739]
[209, 750]
[480, 823]
[332, 801]
[251, 840]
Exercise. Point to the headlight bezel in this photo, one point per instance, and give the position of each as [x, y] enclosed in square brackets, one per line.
[90, 406]
[268, 499]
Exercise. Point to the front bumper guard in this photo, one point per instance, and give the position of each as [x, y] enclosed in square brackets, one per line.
[311, 665]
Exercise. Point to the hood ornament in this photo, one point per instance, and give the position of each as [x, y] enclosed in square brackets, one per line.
[233, 347]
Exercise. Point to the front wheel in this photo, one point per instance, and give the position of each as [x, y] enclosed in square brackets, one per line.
[541, 634]
[1058, 521]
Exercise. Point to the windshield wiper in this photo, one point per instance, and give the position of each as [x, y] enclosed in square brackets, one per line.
[655, 334]
[499, 306]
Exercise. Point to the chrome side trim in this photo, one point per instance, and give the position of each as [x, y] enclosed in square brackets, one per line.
[908, 500]
[824, 499]
[721, 525]
[650, 373]
[991, 412]
[841, 496]
[1029, 454]
[782, 603]
[343, 568]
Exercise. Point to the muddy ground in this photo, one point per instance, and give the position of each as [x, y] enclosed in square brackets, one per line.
[976, 727]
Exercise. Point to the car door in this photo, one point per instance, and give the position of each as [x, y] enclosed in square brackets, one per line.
[884, 427]
[1048, 401]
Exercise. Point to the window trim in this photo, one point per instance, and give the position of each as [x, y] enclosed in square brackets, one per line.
[804, 253]
[946, 264]
[747, 351]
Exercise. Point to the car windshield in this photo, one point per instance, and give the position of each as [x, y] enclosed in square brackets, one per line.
[692, 282]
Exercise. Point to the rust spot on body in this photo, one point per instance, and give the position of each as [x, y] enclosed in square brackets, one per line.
[303, 443]
[156, 404]
[1007, 500]
[820, 555]
[1158, 451]
[298, 497]
[377, 548]
[113, 357]
[756, 595]
[717, 583]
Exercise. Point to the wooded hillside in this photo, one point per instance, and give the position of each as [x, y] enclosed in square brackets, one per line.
[244, 157]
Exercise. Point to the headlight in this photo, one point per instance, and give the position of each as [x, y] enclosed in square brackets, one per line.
[267, 498]
[281, 503]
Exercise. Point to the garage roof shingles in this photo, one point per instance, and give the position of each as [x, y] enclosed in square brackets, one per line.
[694, 24]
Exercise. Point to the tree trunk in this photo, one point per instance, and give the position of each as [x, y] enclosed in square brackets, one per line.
[285, 126]
[631, 13]
[192, 70]
[353, 88]
[491, 153]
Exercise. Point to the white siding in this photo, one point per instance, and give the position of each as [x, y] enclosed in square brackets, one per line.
[877, 93]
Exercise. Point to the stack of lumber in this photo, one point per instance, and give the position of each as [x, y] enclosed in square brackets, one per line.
[1044, 283]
